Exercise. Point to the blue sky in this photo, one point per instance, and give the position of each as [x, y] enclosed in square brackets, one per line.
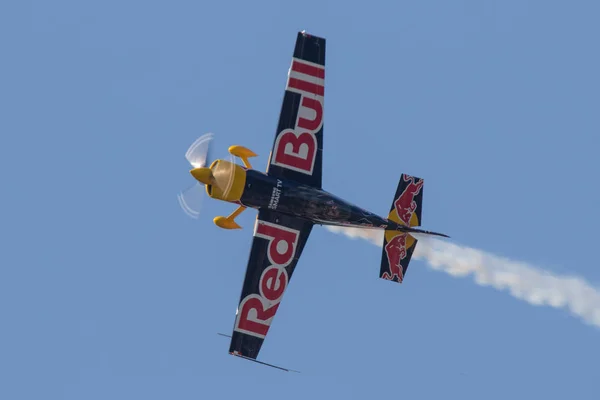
[107, 289]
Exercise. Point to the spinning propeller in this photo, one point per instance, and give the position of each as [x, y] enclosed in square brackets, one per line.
[198, 155]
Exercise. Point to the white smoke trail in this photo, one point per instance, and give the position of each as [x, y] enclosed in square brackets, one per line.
[523, 281]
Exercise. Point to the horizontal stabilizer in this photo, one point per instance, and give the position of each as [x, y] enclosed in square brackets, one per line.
[407, 206]
[398, 247]
[397, 251]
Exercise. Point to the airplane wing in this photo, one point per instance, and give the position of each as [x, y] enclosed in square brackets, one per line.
[277, 245]
[297, 151]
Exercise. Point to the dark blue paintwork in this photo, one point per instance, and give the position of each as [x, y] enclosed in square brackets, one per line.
[316, 205]
[291, 200]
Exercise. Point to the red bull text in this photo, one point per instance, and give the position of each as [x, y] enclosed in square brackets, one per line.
[296, 148]
[257, 310]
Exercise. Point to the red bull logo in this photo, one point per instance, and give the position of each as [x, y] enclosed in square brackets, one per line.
[406, 205]
[396, 251]
[397, 245]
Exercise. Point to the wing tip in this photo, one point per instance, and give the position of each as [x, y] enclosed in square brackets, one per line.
[310, 35]
[237, 354]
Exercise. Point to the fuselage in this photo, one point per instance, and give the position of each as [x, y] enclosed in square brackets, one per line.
[302, 201]
[247, 187]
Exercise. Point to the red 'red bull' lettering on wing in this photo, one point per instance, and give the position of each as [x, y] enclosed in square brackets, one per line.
[296, 147]
[297, 152]
[276, 248]
[258, 309]
[406, 210]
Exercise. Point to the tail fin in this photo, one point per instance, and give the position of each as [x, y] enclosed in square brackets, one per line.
[398, 247]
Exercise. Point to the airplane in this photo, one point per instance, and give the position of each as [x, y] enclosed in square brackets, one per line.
[290, 200]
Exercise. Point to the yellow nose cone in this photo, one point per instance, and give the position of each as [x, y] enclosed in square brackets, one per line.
[203, 175]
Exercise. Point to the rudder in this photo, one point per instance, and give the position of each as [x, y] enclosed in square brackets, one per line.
[398, 247]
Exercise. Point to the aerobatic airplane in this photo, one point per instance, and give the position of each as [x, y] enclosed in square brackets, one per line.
[290, 200]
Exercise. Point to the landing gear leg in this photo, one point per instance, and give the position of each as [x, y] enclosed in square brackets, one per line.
[243, 153]
[229, 221]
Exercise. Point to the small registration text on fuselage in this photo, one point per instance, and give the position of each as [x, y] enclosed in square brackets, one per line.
[274, 202]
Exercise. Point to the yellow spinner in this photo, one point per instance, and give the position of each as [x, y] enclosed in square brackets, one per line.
[225, 180]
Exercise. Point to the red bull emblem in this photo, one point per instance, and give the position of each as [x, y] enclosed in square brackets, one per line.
[396, 251]
[396, 248]
[405, 204]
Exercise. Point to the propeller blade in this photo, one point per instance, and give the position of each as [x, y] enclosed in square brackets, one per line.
[198, 152]
[190, 200]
